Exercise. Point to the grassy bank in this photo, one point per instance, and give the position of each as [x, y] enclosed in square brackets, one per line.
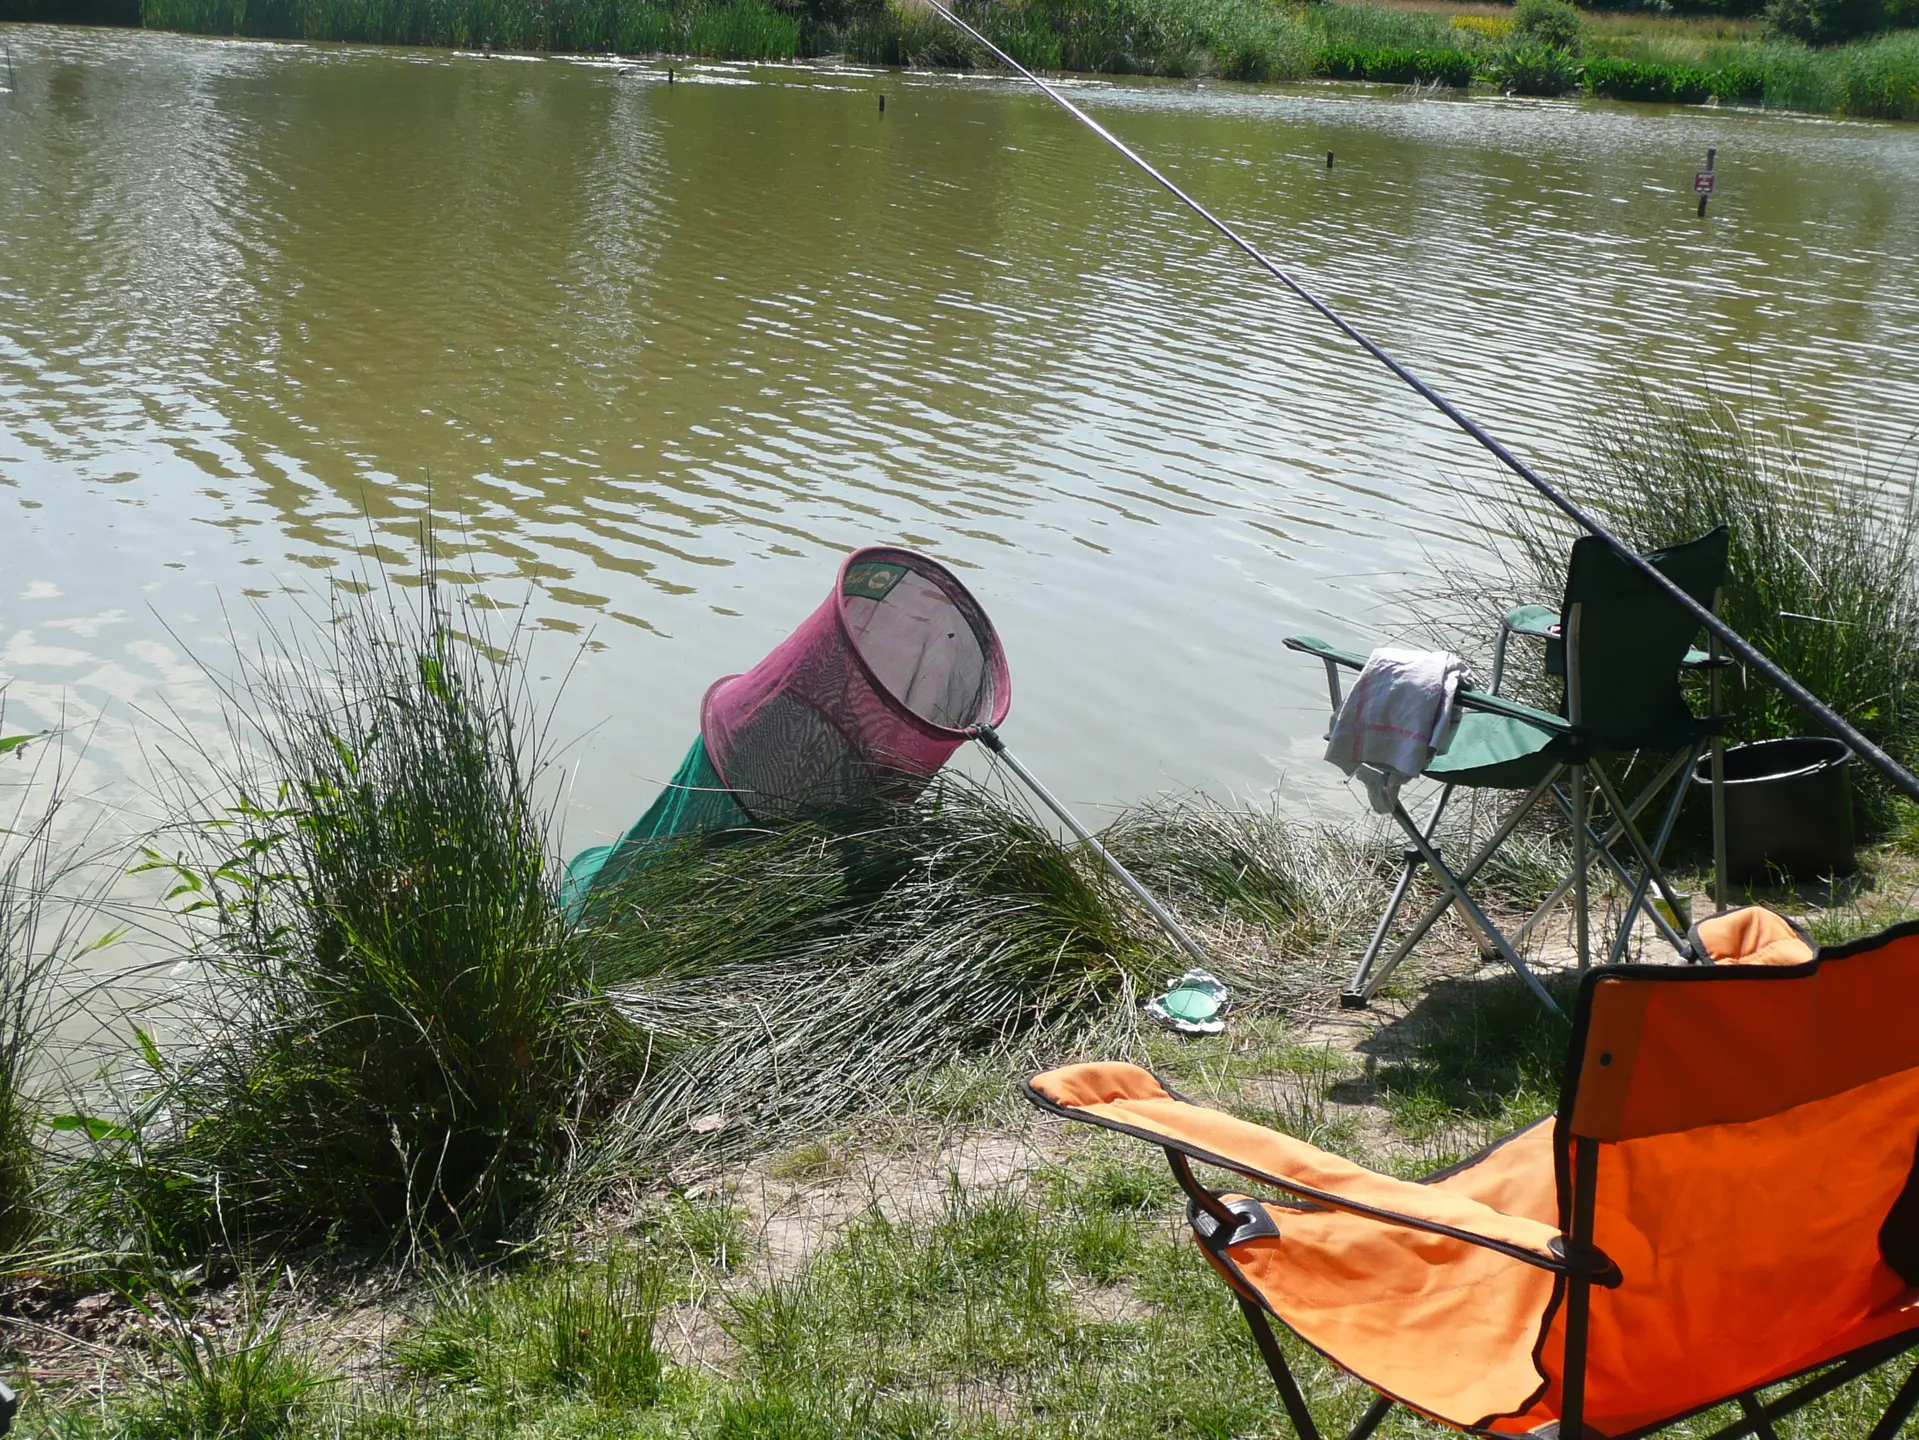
[1540, 47]
[738, 1153]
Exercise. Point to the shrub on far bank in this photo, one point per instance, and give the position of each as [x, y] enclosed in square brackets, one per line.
[1881, 78]
[1825, 22]
[1547, 22]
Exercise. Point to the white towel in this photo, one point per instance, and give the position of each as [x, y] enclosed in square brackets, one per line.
[1401, 712]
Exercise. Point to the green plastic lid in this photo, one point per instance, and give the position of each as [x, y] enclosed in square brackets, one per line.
[1190, 1003]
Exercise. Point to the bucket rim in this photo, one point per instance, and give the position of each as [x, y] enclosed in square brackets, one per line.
[1837, 755]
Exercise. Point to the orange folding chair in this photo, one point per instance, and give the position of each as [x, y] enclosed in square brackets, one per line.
[1727, 1200]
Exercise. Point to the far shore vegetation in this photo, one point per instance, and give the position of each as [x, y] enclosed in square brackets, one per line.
[373, 1141]
[1847, 57]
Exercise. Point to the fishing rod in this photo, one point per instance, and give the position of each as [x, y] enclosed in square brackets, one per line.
[1896, 774]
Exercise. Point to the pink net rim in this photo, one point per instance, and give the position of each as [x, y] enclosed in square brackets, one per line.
[995, 656]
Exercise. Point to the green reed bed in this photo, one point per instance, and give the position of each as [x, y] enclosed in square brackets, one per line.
[389, 1036]
[1825, 560]
[1545, 48]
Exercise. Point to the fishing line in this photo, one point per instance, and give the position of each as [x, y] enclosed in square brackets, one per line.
[1896, 774]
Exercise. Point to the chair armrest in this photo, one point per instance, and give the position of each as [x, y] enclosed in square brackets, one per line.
[1537, 622]
[1513, 710]
[1319, 649]
[1471, 699]
[1132, 1101]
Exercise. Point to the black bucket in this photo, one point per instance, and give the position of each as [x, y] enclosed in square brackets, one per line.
[1788, 808]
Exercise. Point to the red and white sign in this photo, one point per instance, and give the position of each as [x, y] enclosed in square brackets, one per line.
[1702, 182]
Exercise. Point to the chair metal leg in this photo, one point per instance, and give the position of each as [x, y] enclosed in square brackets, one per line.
[1580, 895]
[1899, 1410]
[1750, 1407]
[1471, 906]
[1718, 777]
[1447, 900]
[1276, 1366]
[1601, 853]
[1637, 901]
[1360, 988]
[1637, 841]
[1370, 1421]
[1603, 848]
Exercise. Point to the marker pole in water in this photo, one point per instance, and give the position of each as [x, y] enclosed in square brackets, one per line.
[989, 737]
[1705, 193]
[1900, 778]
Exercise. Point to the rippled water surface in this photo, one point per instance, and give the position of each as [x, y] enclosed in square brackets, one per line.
[657, 354]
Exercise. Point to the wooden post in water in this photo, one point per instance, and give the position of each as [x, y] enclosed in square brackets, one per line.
[1702, 183]
[669, 74]
[1329, 159]
[882, 103]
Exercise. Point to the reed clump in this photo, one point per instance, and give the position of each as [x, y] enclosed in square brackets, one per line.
[381, 1036]
[391, 1035]
[773, 982]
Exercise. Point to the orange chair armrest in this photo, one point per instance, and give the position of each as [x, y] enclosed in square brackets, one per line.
[1125, 1098]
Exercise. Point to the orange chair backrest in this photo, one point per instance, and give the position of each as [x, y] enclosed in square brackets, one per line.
[1758, 1127]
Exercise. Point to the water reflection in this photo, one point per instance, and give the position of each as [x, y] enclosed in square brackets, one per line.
[655, 354]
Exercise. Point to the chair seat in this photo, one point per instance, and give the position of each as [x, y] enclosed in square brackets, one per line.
[1498, 751]
[1438, 1324]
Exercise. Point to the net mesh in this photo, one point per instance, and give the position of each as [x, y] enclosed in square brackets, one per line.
[871, 695]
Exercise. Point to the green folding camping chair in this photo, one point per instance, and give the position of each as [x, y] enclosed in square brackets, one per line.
[1621, 645]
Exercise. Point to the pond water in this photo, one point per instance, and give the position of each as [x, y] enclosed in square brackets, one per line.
[657, 354]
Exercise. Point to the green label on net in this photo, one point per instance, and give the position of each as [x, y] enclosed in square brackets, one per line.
[871, 580]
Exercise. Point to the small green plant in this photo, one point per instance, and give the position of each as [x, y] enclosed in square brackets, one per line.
[1552, 23]
[39, 938]
[572, 1328]
[247, 1384]
[1100, 1246]
[710, 1233]
[1881, 79]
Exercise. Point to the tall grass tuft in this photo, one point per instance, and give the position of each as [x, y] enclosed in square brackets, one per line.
[575, 1328]
[245, 1384]
[386, 1041]
[775, 982]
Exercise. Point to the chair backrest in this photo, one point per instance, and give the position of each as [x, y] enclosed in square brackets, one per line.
[1757, 1134]
[1626, 639]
